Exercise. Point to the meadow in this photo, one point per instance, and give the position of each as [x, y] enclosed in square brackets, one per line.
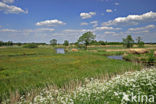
[22, 69]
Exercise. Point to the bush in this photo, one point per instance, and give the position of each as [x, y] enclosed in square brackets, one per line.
[32, 45]
[151, 59]
[141, 44]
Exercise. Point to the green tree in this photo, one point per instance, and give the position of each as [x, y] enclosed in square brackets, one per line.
[9, 43]
[19, 44]
[53, 42]
[128, 41]
[102, 43]
[140, 43]
[1, 43]
[86, 38]
[66, 43]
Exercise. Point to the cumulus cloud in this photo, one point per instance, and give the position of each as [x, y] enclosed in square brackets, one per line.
[54, 22]
[8, 1]
[77, 30]
[139, 30]
[94, 23]
[38, 30]
[11, 9]
[116, 3]
[87, 15]
[109, 10]
[132, 19]
[84, 24]
[148, 27]
[106, 28]
[8, 30]
[46, 29]
[28, 30]
[109, 32]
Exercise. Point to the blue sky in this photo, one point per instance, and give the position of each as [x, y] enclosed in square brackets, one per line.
[109, 20]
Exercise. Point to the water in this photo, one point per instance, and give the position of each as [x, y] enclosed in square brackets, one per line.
[116, 57]
[60, 50]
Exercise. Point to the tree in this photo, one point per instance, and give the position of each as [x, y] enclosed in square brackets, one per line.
[102, 42]
[128, 41]
[86, 38]
[66, 43]
[53, 42]
[9, 43]
[19, 44]
[1, 43]
[140, 43]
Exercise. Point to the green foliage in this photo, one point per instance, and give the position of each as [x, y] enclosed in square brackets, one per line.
[140, 43]
[148, 58]
[53, 42]
[151, 58]
[9, 43]
[66, 43]
[102, 43]
[1, 43]
[19, 44]
[30, 45]
[86, 38]
[114, 43]
[26, 72]
[128, 41]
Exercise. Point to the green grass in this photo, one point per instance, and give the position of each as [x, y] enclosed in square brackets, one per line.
[25, 69]
[142, 58]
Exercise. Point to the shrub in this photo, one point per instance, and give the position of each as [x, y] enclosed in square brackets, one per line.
[151, 58]
[31, 45]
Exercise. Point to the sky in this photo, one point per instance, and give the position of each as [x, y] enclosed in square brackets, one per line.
[109, 20]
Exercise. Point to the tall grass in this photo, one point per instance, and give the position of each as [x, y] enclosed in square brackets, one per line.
[128, 88]
[22, 73]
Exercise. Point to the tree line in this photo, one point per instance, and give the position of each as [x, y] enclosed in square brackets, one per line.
[10, 43]
[86, 39]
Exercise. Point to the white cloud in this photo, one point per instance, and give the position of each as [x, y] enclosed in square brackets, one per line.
[54, 22]
[109, 10]
[94, 23]
[108, 32]
[46, 29]
[11, 9]
[116, 3]
[38, 30]
[132, 19]
[84, 24]
[106, 28]
[148, 27]
[77, 30]
[87, 15]
[8, 1]
[139, 30]
[8, 30]
[28, 30]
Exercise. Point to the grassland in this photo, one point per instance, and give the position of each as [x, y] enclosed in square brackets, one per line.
[138, 87]
[24, 69]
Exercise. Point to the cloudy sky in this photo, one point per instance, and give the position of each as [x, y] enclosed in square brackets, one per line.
[43, 20]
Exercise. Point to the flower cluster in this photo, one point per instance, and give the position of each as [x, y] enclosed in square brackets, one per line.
[96, 91]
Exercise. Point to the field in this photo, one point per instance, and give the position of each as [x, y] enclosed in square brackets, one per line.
[23, 70]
